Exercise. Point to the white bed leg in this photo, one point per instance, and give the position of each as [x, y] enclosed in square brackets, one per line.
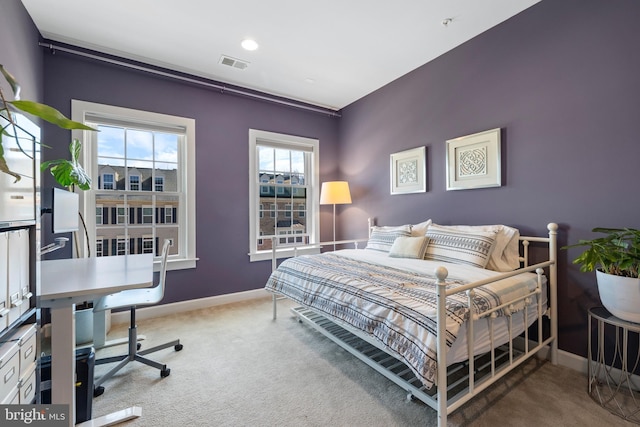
[274, 301]
[441, 382]
[553, 283]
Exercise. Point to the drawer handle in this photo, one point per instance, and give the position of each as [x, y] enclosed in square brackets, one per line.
[27, 295]
[9, 374]
[27, 392]
[4, 311]
[28, 351]
[17, 197]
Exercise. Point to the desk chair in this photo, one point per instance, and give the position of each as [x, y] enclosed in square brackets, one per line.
[135, 298]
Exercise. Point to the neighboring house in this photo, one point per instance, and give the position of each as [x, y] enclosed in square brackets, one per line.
[139, 214]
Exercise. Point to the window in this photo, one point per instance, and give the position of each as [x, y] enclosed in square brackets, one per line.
[99, 216]
[147, 244]
[122, 246]
[144, 164]
[283, 176]
[121, 215]
[134, 182]
[107, 181]
[147, 215]
[99, 246]
[159, 183]
[168, 214]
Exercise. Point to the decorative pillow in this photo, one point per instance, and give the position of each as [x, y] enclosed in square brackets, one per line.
[459, 247]
[382, 238]
[505, 255]
[420, 229]
[409, 247]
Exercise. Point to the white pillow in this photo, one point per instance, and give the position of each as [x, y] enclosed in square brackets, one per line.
[505, 255]
[459, 247]
[420, 229]
[409, 247]
[382, 237]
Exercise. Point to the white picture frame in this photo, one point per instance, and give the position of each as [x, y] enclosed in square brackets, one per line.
[473, 161]
[408, 171]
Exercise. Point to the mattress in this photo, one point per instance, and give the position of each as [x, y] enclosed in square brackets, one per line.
[393, 300]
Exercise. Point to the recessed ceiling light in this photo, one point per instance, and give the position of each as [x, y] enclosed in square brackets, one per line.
[249, 44]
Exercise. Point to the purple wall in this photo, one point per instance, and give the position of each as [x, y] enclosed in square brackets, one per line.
[19, 52]
[562, 79]
[222, 157]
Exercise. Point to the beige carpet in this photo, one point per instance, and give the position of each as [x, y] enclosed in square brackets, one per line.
[240, 368]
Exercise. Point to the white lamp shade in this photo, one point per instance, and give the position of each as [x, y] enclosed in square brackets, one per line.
[335, 193]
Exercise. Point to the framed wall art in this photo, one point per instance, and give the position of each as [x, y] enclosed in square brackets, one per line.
[408, 171]
[473, 161]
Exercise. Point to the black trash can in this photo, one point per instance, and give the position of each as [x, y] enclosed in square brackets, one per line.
[85, 362]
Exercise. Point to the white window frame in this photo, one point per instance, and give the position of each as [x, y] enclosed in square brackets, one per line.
[99, 216]
[121, 219]
[259, 137]
[80, 110]
[99, 246]
[137, 184]
[168, 214]
[112, 183]
[149, 217]
[146, 240]
[158, 184]
[122, 245]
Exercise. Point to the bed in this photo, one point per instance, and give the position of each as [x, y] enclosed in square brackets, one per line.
[443, 311]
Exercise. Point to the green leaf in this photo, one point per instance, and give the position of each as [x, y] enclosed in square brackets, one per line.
[49, 114]
[15, 86]
[69, 173]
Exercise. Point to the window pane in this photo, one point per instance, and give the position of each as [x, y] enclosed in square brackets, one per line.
[110, 142]
[139, 146]
[265, 159]
[166, 147]
[283, 161]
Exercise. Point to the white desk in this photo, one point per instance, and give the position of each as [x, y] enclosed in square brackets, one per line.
[67, 282]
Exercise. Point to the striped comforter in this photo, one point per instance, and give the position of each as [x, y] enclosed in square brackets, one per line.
[390, 299]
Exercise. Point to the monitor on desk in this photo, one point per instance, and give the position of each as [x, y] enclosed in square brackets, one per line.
[64, 211]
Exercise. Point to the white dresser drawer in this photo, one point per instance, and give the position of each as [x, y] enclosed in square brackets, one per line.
[26, 338]
[27, 386]
[9, 367]
[13, 398]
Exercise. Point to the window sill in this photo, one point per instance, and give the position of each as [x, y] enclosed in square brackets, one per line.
[283, 253]
[178, 264]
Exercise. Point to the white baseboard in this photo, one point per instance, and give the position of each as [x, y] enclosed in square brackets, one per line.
[182, 306]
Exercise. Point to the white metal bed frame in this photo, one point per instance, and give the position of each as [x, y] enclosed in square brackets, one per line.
[455, 385]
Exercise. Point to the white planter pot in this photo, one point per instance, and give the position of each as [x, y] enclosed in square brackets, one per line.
[620, 295]
[84, 325]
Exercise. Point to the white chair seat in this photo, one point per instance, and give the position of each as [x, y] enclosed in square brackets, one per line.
[137, 297]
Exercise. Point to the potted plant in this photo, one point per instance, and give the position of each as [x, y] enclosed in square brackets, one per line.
[615, 257]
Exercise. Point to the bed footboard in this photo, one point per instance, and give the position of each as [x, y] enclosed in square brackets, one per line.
[454, 388]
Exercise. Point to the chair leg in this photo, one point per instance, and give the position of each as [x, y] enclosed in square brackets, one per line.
[133, 355]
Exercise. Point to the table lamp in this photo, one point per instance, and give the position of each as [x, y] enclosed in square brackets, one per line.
[335, 193]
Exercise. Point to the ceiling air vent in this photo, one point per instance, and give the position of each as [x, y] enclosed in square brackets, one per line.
[233, 62]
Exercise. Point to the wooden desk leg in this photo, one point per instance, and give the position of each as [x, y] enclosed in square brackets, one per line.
[63, 359]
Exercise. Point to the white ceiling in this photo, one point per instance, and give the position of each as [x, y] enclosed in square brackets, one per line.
[327, 53]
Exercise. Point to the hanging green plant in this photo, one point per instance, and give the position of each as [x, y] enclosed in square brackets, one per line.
[67, 173]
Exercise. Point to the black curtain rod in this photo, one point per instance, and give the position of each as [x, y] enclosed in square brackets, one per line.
[221, 88]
